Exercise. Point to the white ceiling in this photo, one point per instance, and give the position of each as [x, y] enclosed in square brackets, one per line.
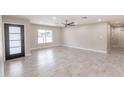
[115, 20]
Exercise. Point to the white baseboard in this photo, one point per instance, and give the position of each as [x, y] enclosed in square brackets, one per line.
[100, 51]
[45, 47]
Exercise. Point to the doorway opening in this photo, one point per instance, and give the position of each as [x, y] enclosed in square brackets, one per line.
[117, 37]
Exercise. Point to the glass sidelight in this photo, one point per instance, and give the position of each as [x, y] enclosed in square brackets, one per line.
[14, 41]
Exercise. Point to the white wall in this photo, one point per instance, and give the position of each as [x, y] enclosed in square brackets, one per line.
[1, 48]
[118, 37]
[109, 38]
[91, 37]
[57, 36]
[26, 23]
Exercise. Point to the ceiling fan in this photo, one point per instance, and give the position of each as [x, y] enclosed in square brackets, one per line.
[67, 23]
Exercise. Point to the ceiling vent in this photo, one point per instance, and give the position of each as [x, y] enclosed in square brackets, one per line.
[84, 17]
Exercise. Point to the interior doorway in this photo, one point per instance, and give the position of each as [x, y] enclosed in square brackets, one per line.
[117, 37]
[14, 41]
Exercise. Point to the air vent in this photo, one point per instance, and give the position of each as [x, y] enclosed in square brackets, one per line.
[84, 17]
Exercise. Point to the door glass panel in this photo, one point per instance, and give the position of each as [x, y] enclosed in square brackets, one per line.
[14, 29]
[14, 37]
[15, 43]
[15, 50]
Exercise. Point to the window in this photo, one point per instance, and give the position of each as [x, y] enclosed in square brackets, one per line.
[41, 36]
[45, 36]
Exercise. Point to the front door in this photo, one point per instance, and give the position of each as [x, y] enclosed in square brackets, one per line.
[14, 41]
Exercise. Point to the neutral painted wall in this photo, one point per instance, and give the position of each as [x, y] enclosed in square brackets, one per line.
[109, 37]
[26, 23]
[57, 36]
[1, 48]
[118, 37]
[91, 37]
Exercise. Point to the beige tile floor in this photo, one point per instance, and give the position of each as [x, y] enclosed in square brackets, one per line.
[67, 62]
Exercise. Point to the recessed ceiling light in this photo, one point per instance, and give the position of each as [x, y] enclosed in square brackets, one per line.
[54, 18]
[99, 19]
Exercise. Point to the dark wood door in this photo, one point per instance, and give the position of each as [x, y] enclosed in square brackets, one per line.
[14, 41]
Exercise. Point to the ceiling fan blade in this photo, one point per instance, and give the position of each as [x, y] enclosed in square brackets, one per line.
[66, 24]
[71, 23]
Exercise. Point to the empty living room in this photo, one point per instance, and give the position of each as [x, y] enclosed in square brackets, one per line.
[62, 45]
